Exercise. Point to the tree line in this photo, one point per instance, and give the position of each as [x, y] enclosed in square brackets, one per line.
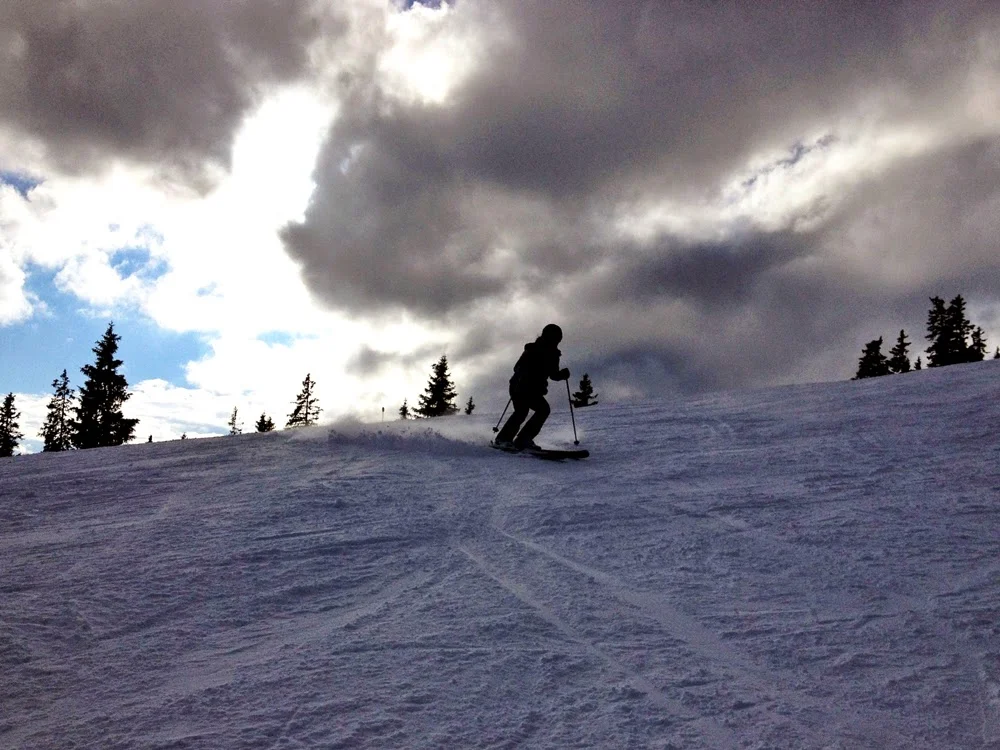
[305, 411]
[94, 419]
[90, 419]
[953, 338]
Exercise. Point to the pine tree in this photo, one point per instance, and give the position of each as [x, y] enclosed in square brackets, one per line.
[235, 427]
[469, 406]
[918, 365]
[977, 350]
[10, 434]
[306, 405]
[873, 363]
[954, 339]
[939, 352]
[57, 430]
[900, 360]
[264, 424]
[99, 421]
[184, 436]
[438, 398]
[960, 329]
[997, 355]
[585, 396]
[404, 410]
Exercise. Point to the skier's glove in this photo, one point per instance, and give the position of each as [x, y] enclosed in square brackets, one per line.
[564, 373]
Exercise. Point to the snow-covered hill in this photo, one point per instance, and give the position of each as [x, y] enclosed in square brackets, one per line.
[803, 567]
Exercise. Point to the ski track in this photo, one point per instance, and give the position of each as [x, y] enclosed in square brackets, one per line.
[804, 567]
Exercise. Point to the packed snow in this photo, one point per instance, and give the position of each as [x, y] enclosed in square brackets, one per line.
[811, 566]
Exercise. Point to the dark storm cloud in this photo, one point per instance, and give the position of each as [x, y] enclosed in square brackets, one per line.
[791, 306]
[589, 103]
[368, 361]
[508, 191]
[163, 83]
[719, 274]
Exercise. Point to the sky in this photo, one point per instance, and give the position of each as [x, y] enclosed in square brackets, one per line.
[703, 196]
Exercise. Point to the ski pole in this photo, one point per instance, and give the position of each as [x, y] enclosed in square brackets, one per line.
[497, 427]
[575, 441]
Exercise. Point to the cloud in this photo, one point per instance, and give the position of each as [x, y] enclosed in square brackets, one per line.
[702, 195]
[161, 84]
[15, 304]
[692, 183]
[368, 362]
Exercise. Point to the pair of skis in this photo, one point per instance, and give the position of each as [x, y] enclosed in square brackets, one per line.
[550, 454]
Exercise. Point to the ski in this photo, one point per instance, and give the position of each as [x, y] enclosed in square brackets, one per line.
[551, 454]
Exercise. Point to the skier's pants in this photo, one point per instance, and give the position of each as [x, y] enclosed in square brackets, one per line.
[522, 405]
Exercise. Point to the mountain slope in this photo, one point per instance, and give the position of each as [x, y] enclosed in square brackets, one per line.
[804, 567]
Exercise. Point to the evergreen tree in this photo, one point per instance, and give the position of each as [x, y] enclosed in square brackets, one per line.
[184, 436]
[438, 399]
[10, 434]
[939, 352]
[977, 350]
[264, 424]
[900, 359]
[873, 363]
[150, 439]
[99, 421]
[960, 329]
[953, 338]
[306, 405]
[404, 410]
[235, 427]
[469, 406]
[57, 430]
[585, 396]
[997, 355]
[918, 365]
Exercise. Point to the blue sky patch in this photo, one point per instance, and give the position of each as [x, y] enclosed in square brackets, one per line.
[137, 261]
[278, 338]
[21, 182]
[795, 154]
[407, 4]
[36, 352]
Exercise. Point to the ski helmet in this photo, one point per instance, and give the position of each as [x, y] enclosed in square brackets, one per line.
[552, 333]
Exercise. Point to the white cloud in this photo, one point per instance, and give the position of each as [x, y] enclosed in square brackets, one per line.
[226, 276]
[15, 305]
[33, 409]
[167, 411]
[428, 53]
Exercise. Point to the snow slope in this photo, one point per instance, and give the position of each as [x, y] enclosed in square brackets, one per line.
[803, 567]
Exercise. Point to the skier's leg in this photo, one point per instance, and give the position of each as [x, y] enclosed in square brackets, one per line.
[541, 410]
[514, 421]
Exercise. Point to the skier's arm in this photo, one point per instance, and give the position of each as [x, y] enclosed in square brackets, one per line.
[555, 373]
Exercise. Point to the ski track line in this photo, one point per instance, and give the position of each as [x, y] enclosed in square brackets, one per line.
[712, 646]
[284, 736]
[719, 735]
[990, 706]
[893, 605]
[682, 626]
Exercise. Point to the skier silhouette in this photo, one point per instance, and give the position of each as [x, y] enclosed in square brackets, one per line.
[537, 364]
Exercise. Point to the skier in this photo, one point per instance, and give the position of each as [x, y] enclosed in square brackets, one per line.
[537, 364]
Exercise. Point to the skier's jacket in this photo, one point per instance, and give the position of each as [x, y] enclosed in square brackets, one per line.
[538, 362]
